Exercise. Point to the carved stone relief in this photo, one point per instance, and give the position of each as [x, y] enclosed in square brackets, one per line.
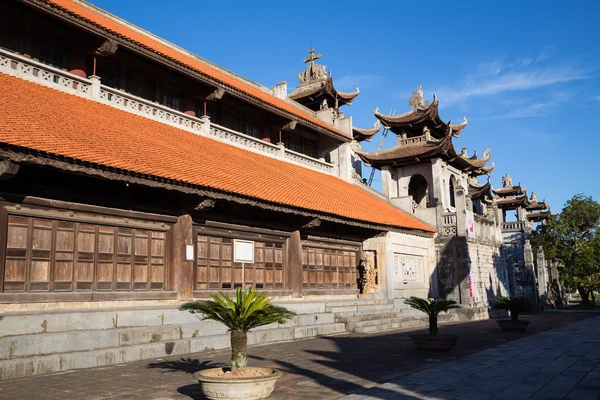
[408, 268]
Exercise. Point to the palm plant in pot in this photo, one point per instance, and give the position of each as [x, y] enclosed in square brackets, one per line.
[432, 307]
[516, 306]
[249, 309]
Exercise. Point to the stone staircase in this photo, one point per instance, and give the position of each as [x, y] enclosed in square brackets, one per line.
[379, 315]
[44, 342]
[48, 342]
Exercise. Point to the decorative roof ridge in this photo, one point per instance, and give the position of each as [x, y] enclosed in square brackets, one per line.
[367, 133]
[184, 58]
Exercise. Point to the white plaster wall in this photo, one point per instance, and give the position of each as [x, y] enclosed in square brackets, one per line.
[408, 245]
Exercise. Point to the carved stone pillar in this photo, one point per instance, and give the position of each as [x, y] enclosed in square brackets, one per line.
[386, 181]
[529, 289]
[181, 272]
[542, 275]
[293, 264]
[460, 199]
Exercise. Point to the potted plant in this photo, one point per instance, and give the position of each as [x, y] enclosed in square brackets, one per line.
[249, 309]
[432, 307]
[515, 305]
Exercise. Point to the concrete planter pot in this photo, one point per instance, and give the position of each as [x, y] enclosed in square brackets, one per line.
[436, 342]
[512, 326]
[232, 387]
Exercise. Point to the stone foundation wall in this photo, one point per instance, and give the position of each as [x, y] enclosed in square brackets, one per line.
[488, 274]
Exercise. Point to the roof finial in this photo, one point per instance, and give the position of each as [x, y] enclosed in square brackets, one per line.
[312, 56]
[416, 100]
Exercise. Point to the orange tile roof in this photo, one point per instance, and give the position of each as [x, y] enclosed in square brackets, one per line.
[114, 27]
[47, 120]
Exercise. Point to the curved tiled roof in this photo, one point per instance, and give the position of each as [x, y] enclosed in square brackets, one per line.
[95, 17]
[59, 124]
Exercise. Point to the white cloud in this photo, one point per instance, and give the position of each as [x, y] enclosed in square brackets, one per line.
[496, 77]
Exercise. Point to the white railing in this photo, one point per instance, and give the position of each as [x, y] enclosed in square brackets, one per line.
[449, 219]
[31, 70]
[514, 226]
[313, 163]
[91, 88]
[229, 135]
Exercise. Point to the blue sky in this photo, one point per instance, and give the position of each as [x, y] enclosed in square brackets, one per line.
[525, 73]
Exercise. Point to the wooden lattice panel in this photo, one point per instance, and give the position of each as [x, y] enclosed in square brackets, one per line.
[215, 269]
[60, 256]
[324, 268]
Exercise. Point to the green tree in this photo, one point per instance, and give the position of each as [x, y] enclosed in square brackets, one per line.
[573, 239]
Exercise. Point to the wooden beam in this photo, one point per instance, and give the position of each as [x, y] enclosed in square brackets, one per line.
[108, 48]
[8, 169]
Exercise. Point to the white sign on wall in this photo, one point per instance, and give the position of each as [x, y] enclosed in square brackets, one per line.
[470, 224]
[243, 251]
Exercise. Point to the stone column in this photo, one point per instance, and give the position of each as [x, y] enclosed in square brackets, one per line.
[386, 181]
[529, 289]
[293, 264]
[345, 161]
[181, 272]
[542, 276]
[460, 199]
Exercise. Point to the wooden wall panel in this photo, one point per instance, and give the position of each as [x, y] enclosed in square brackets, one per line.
[216, 270]
[329, 268]
[43, 254]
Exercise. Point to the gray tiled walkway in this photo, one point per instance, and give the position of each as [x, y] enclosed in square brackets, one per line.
[562, 363]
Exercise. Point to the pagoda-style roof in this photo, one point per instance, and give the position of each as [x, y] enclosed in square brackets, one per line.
[366, 134]
[420, 148]
[481, 191]
[423, 114]
[422, 135]
[539, 216]
[508, 189]
[534, 204]
[316, 89]
[509, 203]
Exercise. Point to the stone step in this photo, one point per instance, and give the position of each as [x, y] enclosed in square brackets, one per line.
[28, 345]
[350, 326]
[359, 308]
[45, 323]
[50, 363]
[356, 302]
[374, 326]
[361, 313]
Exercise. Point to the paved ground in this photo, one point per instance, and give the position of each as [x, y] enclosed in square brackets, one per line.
[563, 363]
[330, 367]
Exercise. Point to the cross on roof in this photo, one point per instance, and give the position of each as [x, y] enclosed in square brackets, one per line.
[312, 57]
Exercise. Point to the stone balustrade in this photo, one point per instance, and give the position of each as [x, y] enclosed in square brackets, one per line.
[92, 89]
[413, 140]
[449, 225]
[514, 226]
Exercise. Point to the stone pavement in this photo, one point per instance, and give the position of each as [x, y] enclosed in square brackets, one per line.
[563, 363]
[330, 367]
